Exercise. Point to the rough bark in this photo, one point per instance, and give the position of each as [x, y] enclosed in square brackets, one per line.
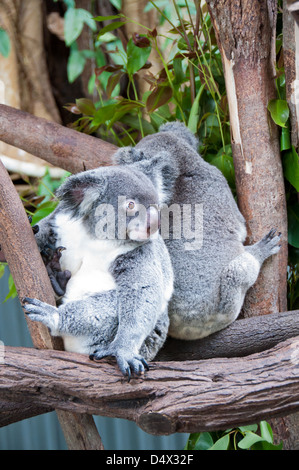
[172, 397]
[291, 66]
[58, 145]
[31, 280]
[245, 33]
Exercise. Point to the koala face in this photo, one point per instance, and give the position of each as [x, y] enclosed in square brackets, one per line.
[113, 203]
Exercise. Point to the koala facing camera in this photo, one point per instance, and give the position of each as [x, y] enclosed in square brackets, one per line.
[120, 277]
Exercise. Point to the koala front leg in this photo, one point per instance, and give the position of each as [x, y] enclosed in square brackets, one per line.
[137, 312]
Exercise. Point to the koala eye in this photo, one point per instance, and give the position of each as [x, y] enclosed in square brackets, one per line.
[130, 205]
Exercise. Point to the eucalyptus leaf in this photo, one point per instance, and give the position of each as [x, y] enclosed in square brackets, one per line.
[279, 111]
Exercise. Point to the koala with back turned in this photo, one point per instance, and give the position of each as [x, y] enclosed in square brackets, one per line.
[212, 268]
[118, 269]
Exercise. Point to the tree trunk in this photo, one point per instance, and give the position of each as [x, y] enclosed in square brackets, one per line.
[245, 33]
[291, 65]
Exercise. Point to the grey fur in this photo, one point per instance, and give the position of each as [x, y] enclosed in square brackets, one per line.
[210, 282]
[129, 320]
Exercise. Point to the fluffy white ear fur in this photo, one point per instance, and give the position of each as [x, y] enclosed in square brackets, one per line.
[91, 194]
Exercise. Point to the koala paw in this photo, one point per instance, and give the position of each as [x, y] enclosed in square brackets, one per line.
[42, 312]
[270, 244]
[128, 363]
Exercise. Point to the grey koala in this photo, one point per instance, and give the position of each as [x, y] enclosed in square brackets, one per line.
[119, 272]
[213, 270]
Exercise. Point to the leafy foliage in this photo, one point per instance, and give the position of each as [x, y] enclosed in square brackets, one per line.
[241, 438]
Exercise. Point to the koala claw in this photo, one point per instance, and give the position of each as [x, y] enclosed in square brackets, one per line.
[127, 364]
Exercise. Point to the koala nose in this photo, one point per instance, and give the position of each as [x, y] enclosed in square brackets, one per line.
[153, 221]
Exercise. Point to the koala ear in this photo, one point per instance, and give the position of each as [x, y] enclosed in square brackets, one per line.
[80, 191]
[163, 171]
[127, 155]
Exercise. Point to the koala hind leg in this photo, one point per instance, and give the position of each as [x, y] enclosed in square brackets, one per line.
[242, 272]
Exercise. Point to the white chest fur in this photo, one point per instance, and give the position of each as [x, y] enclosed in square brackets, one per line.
[86, 258]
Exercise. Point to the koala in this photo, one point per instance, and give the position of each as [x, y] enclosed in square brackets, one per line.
[116, 270]
[212, 268]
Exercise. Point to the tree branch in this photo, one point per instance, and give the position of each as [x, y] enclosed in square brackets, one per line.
[172, 397]
[54, 143]
[241, 338]
[258, 333]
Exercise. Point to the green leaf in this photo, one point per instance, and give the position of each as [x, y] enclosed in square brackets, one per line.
[204, 442]
[113, 81]
[107, 18]
[111, 27]
[194, 113]
[75, 65]
[224, 162]
[74, 20]
[293, 225]
[12, 289]
[158, 97]
[136, 57]
[279, 111]
[4, 43]
[249, 440]
[285, 139]
[73, 25]
[266, 431]
[43, 211]
[2, 269]
[134, 122]
[104, 114]
[221, 444]
[291, 167]
[264, 445]
[86, 106]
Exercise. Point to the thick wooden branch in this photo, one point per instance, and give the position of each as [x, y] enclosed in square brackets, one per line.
[31, 280]
[172, 397]
[257, 334]
[241, 338]
[54, 143]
